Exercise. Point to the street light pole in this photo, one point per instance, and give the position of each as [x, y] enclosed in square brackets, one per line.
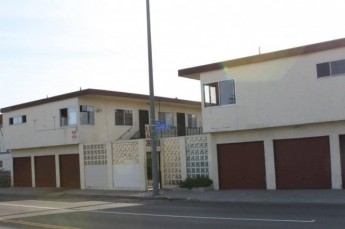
[152, 106]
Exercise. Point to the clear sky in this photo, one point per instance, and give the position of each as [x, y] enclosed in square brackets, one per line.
[51, 47]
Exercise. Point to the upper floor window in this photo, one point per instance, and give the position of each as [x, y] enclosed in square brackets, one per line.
[192, 122]
[330, 68]
[123, 117]
[166, 118]
[68, 116]
[87, 115]
[219, 93]
[17, 120]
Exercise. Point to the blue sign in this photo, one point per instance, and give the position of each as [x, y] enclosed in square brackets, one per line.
[161, 126]
[158, 122]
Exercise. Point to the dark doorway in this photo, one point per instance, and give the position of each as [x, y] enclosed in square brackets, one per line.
[143, 120]
[149, 170]
[181, 124]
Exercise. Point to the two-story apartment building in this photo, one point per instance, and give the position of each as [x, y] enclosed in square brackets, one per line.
[277, 120]
[47, 138]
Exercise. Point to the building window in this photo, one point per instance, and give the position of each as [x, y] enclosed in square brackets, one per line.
[192, 122]
[330, 68]
[17, 120]
[123, 117]
[87, 115]
[166, 118]
[210, 94]
[219, 93]
[68, 116]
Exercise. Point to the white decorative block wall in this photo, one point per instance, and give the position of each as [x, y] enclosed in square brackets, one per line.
[95, 166]
[95, 154]
[171, 161]
[128, 165]
[197, 156]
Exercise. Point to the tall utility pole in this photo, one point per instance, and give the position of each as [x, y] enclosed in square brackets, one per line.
[152, 106]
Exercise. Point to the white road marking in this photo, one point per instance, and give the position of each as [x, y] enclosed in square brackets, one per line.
[103, 206]
[28, 206]
[208, 217]
[41, 225]
[97, 206]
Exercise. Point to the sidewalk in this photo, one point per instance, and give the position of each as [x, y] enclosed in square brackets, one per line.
[235, 196]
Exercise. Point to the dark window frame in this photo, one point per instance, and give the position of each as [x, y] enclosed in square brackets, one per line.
[19, 119]
[123, 117]
[211, 97]
[66, 118]
[331, 68]
[192, 120]
[166, 117]
[219, 93]
[87, 115]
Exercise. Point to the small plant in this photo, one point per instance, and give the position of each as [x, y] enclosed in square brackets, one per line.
[5, 178]
[196, 182]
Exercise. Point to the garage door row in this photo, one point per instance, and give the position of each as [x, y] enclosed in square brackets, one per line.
[299, 164]
[45, 172]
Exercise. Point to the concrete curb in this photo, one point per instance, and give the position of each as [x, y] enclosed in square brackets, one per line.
[334, 197]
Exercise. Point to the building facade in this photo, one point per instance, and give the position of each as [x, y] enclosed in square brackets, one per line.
[276, 120]
[90, 138]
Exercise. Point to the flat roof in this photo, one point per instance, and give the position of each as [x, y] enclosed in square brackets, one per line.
[98, 93]
[194, 72]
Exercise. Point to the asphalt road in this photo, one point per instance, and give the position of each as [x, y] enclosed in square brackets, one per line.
[153, 214]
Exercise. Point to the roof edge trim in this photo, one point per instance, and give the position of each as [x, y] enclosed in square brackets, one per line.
[96, 92]
[194, 72]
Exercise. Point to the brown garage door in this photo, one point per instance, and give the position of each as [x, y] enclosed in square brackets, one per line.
[22, 172]
[241, 166]
[302, 163]
[69, 171]
[45, 171]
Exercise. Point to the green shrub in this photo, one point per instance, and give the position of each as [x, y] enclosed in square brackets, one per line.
[5, 178]
[196, 182]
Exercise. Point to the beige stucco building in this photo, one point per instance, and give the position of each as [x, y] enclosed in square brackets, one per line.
[276, 120]
[90, 138]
